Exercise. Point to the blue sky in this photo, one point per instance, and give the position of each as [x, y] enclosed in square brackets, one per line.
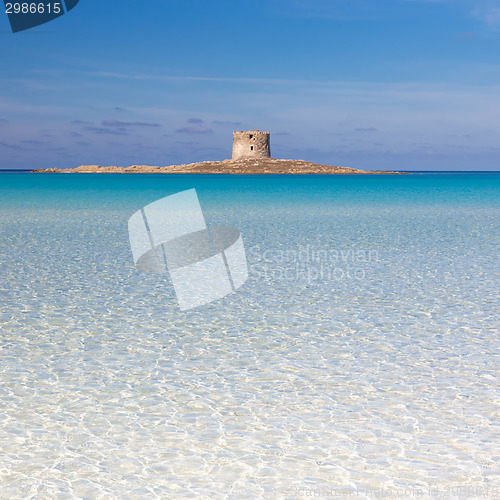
[371, 84]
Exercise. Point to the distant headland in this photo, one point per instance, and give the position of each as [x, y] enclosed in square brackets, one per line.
[251, 155]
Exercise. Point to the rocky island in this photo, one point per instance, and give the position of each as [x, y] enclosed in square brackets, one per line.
[251, 156]
[244, 166]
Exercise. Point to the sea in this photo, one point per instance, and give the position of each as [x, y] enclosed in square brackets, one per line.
[360, 359]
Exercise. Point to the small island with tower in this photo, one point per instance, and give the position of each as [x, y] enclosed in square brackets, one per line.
[251, 156]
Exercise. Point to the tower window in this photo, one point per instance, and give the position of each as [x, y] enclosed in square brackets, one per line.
[251, 135]
[251, 148]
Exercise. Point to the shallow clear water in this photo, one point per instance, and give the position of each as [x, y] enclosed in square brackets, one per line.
[361, 358]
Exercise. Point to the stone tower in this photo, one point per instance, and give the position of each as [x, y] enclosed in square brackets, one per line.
[251, 144]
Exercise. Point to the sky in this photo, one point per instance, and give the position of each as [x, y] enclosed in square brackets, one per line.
[370, 84]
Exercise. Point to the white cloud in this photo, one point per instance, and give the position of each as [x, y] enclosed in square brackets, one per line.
[490, 15]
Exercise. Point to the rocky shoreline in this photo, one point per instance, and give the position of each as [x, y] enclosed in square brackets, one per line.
[248, 166]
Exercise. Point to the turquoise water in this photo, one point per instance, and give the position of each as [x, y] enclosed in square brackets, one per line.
[360, 359]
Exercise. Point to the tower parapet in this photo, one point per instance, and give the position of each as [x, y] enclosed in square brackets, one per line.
[251, 144]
